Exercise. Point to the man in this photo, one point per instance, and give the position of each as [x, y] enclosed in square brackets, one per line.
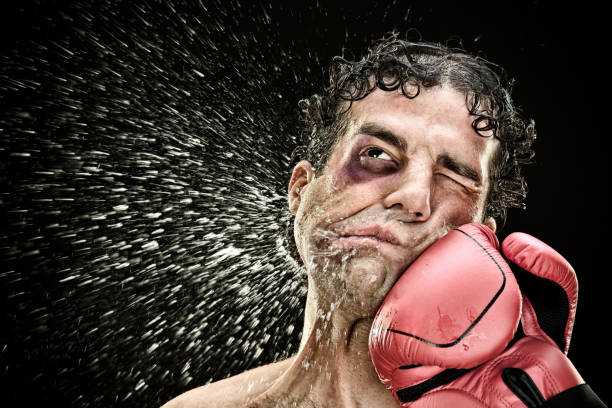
[404, 145]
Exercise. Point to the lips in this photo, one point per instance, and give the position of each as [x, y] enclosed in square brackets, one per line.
[375, 232]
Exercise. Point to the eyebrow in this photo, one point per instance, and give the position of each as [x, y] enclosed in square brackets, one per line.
[383, 134]
[445, 160]
[455, 166]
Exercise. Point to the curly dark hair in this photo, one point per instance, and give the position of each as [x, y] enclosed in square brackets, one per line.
[393, 64]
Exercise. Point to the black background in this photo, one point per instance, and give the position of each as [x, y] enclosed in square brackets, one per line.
[554, 53]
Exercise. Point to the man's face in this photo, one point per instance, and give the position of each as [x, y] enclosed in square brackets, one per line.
[405, 173]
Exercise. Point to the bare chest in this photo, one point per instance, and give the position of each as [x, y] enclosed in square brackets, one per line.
[304, 402]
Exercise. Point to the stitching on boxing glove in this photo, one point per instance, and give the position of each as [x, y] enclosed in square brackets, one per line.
[492, 370]
[472, 395]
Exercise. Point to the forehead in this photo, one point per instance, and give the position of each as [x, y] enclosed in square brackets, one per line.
[438, 116]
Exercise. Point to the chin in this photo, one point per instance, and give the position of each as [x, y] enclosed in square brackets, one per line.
[354, 274]
[363, 281]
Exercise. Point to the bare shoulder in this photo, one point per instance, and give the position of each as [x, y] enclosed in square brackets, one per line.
[232, 392]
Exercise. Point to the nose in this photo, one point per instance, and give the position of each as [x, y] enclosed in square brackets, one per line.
[412, 193]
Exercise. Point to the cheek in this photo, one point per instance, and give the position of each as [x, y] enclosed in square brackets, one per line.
[345, 191]
[329, 200]
[359, 188]
[352, 172]
[314, 209]
[456, 209]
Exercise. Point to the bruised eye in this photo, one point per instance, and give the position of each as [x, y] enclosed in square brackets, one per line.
[376, 160]
[376, 153]
[454, 183]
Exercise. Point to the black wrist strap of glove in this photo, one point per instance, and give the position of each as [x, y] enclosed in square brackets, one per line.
[519, 382]
[579, 396]
[415, 392]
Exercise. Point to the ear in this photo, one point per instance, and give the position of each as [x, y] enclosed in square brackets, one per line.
[490, 222]
[303, 174]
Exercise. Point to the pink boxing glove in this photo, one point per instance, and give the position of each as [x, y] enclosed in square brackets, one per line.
[532, 371]
[457, 306]
[549, 286]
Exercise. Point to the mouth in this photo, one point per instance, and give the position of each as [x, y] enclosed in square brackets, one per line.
[362, 239]
[373, 234]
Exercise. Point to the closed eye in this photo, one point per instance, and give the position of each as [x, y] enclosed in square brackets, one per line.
[460, 181]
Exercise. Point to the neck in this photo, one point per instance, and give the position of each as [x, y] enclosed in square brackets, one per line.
[333, 366]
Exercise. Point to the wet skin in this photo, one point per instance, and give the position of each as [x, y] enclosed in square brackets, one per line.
[405, 173]
[413, 169]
